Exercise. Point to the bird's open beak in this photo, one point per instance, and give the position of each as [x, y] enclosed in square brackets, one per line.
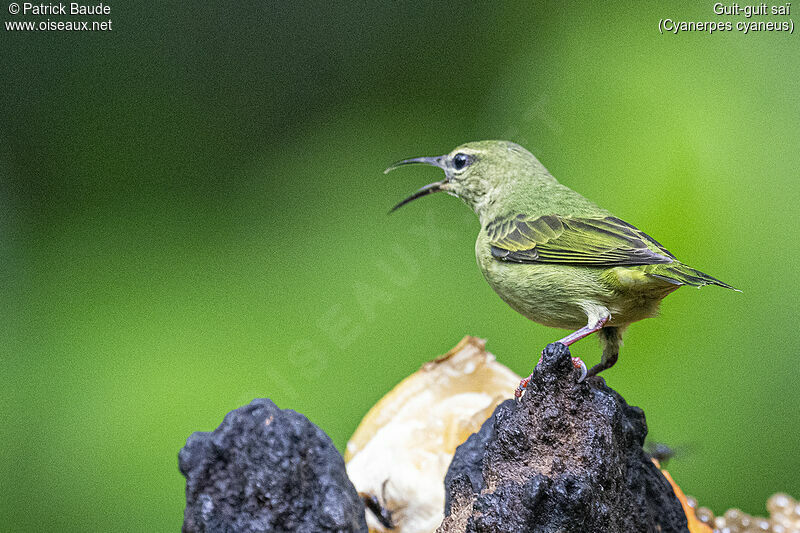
[426, 190]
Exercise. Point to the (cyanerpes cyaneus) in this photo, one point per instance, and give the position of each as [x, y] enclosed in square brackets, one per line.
[551, 254]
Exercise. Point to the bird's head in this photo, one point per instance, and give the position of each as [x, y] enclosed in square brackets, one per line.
[480, 173]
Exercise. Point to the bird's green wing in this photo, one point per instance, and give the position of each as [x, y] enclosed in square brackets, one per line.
[604, 242]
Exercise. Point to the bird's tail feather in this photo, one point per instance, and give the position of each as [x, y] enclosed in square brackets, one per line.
[680, 274]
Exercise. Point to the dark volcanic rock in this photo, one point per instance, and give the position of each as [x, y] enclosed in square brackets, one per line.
[267, 469]
[567, 458]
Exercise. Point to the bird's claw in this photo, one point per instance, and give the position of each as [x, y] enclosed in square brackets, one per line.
[522, 386]
[577, 363]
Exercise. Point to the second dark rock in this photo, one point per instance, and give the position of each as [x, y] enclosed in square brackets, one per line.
[266, 469]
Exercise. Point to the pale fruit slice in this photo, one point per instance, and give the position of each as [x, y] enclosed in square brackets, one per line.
[399, 454]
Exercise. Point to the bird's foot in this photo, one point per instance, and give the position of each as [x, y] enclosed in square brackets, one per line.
[522, 386]
[576, 362]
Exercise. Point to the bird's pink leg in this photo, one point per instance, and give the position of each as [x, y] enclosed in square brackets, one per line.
[572, 338]
[585, 331]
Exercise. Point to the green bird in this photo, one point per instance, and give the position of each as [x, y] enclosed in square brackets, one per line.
[551, 254]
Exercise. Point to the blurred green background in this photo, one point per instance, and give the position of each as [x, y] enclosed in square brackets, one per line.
[194, 215]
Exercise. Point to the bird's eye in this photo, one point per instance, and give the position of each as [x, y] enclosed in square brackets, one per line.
[461, 161]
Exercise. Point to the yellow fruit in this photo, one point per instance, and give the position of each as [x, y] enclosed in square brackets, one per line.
[695, 524]
[399, 454]
[734, 520]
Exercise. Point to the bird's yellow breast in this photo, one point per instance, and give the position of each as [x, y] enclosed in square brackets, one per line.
[559, 295]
